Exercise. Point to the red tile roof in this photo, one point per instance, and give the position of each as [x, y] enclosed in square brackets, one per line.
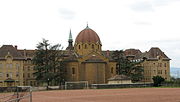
[5, 49]
[132, 52]
[87, 35]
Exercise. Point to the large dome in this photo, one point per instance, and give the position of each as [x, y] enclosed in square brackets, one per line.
[88, 36]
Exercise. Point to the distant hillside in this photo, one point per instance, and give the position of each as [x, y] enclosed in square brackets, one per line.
[175, 72]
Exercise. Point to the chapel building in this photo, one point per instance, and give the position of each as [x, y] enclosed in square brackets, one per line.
[86, 61]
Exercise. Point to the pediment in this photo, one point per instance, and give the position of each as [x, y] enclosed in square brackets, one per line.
[94, 57]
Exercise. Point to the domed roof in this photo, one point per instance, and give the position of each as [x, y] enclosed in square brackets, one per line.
[87, 35]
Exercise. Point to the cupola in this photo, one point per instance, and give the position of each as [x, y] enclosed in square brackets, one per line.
[87, 41]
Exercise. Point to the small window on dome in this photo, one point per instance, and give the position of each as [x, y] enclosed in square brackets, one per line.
[92, 46]
[85, 46]
[79, 47]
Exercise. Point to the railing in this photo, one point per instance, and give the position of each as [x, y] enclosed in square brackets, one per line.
[16, 94]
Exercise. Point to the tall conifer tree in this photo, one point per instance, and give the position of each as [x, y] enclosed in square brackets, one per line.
[49, 65]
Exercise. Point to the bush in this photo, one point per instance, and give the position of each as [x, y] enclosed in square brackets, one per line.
[158, 80]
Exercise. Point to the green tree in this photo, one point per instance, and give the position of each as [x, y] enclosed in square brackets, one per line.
[128, 67]
[49, 67]
[158, 80]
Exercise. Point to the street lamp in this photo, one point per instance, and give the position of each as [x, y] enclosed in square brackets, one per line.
[48, 84]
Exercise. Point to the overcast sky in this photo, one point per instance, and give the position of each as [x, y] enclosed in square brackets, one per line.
[120, 24]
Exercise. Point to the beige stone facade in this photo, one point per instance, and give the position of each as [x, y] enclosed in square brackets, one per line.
[89, 62]
[93, 68]
[85, 62]
[155, 62]
[11, 67]
[156, 67]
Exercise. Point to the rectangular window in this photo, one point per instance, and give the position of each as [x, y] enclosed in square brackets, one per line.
[17, 74]
[17, 66]
[165, 72]
[1, 65]
[32, 75]
[9, 66]
[10, 75]
[7, 75]
[28, 75]
[29, 61]
[73, 70]
[164, 64]
[1, 74]
[112, 70]
[29, 68]
[31, 83]
[154, 71]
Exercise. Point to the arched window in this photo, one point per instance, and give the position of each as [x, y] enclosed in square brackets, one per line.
[79, 46]
[73, 70]
[7, 75]
[92, 46]
[85, 46]
[112, 69]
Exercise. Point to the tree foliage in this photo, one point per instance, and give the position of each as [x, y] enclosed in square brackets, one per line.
[127, 67]
[49, 66]
[158, 80]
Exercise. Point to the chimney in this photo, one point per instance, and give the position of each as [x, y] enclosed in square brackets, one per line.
[15, 47]
[24, 52]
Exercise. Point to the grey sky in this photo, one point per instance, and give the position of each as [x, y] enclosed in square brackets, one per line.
[121, 24]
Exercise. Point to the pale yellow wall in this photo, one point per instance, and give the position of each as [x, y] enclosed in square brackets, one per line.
[18, 66]
[110, 70]
[156, 67]
[95, 72]
[69, 69]
[88, 49]
[91, 72]
[11, 67]
[29, 77]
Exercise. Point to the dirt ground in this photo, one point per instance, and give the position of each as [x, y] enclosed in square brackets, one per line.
[110, 95]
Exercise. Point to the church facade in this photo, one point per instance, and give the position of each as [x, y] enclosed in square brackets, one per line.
[86, 61]
[89, 62]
